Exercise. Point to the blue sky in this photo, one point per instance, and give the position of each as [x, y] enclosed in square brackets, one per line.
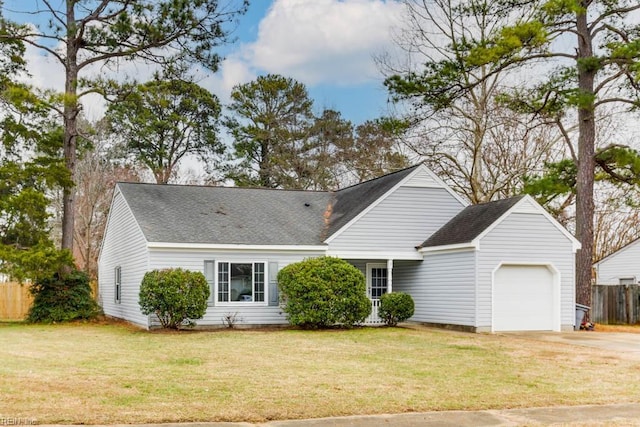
[328, 45]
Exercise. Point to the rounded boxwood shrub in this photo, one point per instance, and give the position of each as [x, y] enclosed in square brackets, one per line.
[62, 297]
[395, 307]
[176, 296]
[323, 292]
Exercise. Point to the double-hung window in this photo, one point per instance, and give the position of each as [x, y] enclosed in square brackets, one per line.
[241, 282]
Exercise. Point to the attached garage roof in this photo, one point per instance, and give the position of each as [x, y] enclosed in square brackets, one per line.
[470, 223]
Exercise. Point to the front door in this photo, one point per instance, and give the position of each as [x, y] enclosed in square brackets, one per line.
[377, 282]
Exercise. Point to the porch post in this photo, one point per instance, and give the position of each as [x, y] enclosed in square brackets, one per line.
[389, 275]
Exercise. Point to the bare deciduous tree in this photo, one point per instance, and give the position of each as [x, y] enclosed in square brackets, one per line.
[96, 176]
[479, 147]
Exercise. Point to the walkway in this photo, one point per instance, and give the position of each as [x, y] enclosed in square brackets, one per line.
[592, 415]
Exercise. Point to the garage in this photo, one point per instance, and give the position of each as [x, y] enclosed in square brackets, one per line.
[525, 298]
[498, 266]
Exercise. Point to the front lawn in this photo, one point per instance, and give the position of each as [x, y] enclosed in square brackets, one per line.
[112, 373]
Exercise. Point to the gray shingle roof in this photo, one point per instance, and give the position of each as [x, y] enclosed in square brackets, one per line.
[249, 216]
[224, 215]
[470, 223]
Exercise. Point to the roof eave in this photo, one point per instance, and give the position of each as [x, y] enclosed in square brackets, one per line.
[406, 255]
[473, 245]
[237, 247]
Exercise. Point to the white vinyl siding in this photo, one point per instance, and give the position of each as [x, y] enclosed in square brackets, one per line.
[422, 178]
[442, 287]
[125, 247]
[247, 313]
[360, 264]
[118, 284]
[623, 264]
[526, 238]
[399, 223]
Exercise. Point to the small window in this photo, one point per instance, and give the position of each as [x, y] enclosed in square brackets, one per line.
[627, 280]
[118, 284]
[241, 282]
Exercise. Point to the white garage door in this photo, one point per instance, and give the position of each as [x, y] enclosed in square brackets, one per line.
[524, 299]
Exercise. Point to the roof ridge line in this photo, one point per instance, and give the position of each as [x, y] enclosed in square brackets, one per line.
[378, 177]
[299, 190]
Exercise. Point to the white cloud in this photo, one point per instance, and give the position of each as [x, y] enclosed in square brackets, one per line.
[232, 71]
[323, 41]
[47, 73]
[314, 41]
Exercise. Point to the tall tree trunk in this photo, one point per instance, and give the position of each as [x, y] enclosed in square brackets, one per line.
[265, 166]
[71, 111]
[586, 161]
[479, 134]
[88, 261]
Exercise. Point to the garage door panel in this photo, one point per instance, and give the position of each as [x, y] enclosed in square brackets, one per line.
[523, 298]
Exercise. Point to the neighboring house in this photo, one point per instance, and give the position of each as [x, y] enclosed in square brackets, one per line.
[505, 265]
[621, 267]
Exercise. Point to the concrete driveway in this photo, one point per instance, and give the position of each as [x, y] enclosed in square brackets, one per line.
[622, 343]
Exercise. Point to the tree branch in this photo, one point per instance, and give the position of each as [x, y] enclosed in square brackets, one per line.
[635, 103]
[619, 11]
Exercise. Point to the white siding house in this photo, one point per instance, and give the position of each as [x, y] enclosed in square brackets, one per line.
[466, 266]
[123, 261]
[442, 286]
[621, 267]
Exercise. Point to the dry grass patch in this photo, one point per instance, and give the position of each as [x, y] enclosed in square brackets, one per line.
[101, 374]
[634, 329]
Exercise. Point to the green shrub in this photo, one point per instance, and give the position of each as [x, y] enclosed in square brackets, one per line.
[323, 292]
[176, 296]
[395, 307]
[62, 298]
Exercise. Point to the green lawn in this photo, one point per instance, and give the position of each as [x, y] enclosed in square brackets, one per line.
[112, 373]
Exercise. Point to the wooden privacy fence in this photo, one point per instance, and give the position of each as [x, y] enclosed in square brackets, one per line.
[15, 300]
[615, 304]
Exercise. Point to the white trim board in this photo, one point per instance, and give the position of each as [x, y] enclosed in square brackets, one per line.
[374, 255]
[236, 247]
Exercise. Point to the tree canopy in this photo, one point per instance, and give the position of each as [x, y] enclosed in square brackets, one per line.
[585, 54]
[30, 168]
[280, 143]
[273, 117]
[107, 32]
[162, 121]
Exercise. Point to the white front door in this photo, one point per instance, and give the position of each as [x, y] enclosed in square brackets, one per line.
[377, 285]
